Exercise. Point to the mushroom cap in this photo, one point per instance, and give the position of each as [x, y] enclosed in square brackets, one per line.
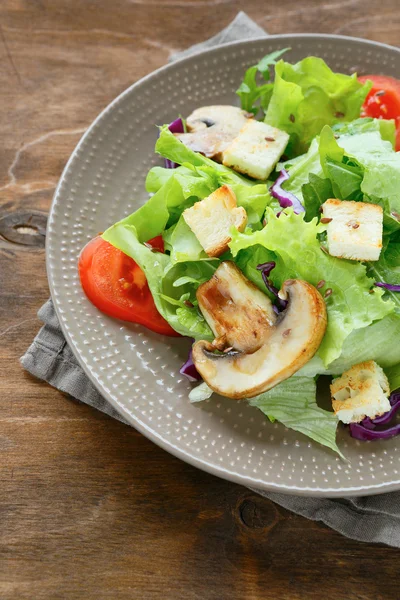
[212, 128]
[287, 346]
[235, 308]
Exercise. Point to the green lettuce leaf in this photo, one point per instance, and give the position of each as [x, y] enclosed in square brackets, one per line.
[308, 95]
[294, 245]
[200, 393]
[184, 245]
[268, 61]
[189, 275]
[164, 208]
[199, 176]
[363, 166]
[381, 166]
[194, 181]
[254, 200]
[300, 169]
[124, 236]
[314, 194]
[158, 176]
[250, 92]
[359, 164]
[254, 95]
[378, 342]
[393, 374]
[345, 179]
[161, 275]
[169, 146]
[387, 268]
[385, 127]
[177, 189]
[293, 403]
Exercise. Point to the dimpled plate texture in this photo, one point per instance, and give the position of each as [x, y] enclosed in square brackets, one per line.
[138, 370]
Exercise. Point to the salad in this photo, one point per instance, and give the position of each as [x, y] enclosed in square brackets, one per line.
[271, 238]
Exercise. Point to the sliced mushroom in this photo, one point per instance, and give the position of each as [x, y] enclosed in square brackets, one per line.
[236, 309]
[283, 345]
[212, 128]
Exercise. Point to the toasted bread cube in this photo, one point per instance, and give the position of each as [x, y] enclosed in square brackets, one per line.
[360, 392]
[211, 220]
[354, 229]
[256, 150]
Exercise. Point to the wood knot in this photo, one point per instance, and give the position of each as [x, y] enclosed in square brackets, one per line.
[258, 513]
[27, 228]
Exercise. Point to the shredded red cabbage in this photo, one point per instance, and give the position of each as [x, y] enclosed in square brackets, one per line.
[359, 432]
[285, 198]
[266, 269]
[189, 370]
[366, 429]
[388, 286]
[174, 127]
[169, 164]
[382, 420]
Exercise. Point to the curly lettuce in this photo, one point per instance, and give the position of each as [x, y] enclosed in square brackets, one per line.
[309, 95]
[177, 304]
[294, 245]
[350, 162]
[293, 403]
[255, 95]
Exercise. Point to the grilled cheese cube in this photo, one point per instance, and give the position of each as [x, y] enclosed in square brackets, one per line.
[360, 392]
[256, 150]
[211, 220]
[354, 229]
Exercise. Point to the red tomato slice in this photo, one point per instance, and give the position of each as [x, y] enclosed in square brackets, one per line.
[117, 286]
[383, 101]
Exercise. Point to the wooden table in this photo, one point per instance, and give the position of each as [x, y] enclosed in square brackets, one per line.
[90, 509]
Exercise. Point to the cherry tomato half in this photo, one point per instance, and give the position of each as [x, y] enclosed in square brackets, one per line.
[383, 101]
[117, 286]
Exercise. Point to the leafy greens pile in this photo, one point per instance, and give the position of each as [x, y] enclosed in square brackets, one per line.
[332, 153]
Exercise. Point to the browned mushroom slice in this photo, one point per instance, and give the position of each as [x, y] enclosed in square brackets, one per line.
[212, 128]
[284, 344]
[235, 308]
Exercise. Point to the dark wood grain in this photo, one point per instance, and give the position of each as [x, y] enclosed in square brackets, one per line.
[88, 507]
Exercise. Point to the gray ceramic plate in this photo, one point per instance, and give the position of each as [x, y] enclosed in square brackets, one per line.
[138, 371]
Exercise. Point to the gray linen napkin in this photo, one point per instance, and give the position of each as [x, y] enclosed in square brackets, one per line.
[369, 519]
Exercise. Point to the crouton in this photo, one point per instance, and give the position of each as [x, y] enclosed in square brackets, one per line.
[354, 229]
[211, 220]
[256, 150]
[362, 391]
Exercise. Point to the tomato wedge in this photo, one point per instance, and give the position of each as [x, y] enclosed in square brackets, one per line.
[383, 101]
[117, 286]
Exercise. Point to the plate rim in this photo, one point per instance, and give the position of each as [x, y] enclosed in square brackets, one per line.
[150, 434]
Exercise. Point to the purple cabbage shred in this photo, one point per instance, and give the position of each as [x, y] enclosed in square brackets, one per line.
[388, 286]
[366, 430]
[174, 127]
[286, 199]
[266, 269]
[189, 370]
